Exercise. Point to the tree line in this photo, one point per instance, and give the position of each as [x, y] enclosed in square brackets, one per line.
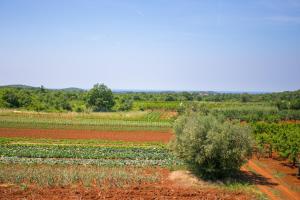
[101, 98]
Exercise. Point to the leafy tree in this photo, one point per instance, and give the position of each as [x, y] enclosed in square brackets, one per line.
[187, 96]
[245, 98]
[100, 98]
[125, 104]
[11, 98]
[199, 98]
[211, 145]
[295, 104]
[170, 98]
[282, 105]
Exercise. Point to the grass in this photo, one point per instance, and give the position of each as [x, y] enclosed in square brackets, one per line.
[278, 174]
[49, 176]
[93, 121]
[79, 142]
[244, 187]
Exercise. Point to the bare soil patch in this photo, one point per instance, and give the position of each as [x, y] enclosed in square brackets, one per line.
[164, 189]
[281, 180]
[132, 136]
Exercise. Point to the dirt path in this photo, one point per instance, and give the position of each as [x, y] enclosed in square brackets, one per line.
[132, 136]
[277, 184]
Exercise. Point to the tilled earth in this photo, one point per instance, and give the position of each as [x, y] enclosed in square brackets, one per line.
[132, 136]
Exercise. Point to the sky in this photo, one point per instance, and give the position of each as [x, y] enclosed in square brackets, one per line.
[228, 45]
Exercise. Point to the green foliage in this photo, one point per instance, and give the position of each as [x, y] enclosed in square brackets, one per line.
[86, 121]
[82, 153]
[157, 105]
[125, 104]
[284, 138]
[10, 99]
[60, 175]
[100, 98]
[295, 104]
[216, 148]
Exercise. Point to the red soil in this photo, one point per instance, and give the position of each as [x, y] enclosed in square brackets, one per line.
[132, 136]
[285, 187]
[138, 192]
[165, 189]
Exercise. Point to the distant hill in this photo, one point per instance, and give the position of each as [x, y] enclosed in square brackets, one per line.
[19, 86]
[69, 89]
[72, 89]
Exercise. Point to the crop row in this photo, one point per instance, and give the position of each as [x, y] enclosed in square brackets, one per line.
[61, 151]
[81, 142]
[94, 162]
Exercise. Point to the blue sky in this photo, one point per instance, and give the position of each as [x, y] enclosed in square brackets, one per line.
[159, 44]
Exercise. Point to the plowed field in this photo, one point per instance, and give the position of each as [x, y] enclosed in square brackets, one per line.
[132, 136]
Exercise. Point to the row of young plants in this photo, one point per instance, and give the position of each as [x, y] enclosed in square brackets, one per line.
[166, 162]
[10, 122]
[152, 116]
[282, 138]
[86, 152]
[77, 142]
[61, 175]
[87, 155]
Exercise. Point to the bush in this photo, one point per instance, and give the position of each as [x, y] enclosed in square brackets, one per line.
[125, 104]
[100, 98]
[214, 147]
[11, 99]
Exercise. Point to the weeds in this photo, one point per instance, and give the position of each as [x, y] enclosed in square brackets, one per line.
[50, 176]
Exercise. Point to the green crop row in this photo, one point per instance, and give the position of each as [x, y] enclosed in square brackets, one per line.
[79, 142]
[167, 162]
[86, 152]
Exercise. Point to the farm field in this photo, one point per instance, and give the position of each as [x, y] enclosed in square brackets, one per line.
[112, 155]
[91, 162]
[136, 135]
[146, 120]
[150, 100]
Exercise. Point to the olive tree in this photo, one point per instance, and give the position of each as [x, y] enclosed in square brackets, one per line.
[100, 98]
[213, 146]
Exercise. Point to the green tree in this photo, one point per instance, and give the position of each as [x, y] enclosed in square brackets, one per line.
[211, 145]
[125, 104]
[100, 98]
[187, 96]
[170, 98]
[10, 98]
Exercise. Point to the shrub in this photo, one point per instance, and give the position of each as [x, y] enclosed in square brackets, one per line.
[214, 147]
[125, 104]
[100, 98]
[11, 99]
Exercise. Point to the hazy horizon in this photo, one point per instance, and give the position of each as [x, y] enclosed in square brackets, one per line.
[152, 45]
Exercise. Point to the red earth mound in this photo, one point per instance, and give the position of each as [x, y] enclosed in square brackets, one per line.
[133, 136]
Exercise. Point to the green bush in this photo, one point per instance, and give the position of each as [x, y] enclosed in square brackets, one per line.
[125, 104]
[214, 147]
[100, 98]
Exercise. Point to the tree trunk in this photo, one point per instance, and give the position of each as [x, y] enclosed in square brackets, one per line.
[294, 162]
[298, 170]
[270, 151]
